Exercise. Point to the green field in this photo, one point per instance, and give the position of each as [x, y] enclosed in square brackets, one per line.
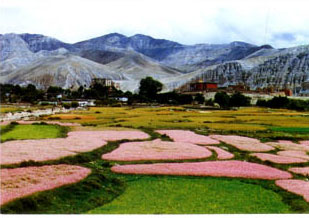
[18, 132]
[291, 129]
[178, 195]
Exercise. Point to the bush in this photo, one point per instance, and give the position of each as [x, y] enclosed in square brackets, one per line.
[222, 99]
[284, 102]
[74, 104]
[199, 98]
[44, 103]
[298, 105]
[40, 123]
[66, 105]
[261, 103]
[238, 100]
[278, 102]
[209, 102]
[185, 99]
[54, 118]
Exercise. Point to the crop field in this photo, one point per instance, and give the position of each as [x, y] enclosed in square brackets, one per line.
[157, 160]
[18, 132]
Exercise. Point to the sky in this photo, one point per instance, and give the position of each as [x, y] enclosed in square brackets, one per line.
[280, 23]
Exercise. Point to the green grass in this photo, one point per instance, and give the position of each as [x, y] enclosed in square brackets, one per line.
[17, 132]
[179, 195]
[291, 129]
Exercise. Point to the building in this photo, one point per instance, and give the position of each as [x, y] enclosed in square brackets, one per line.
[203, 86]
[101, 81]
[288, 92]
[104, 82]
[238, 88]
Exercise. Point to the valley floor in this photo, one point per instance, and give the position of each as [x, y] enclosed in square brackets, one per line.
[200, 162]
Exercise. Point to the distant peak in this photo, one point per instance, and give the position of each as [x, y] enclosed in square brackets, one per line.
[239, 43]
[266, 46]
[114, 34]
[140, 36]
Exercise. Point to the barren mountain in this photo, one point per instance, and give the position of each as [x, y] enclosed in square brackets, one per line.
[44, 61]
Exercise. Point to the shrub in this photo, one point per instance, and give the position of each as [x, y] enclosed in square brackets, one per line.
[40, 123]
[66, 105]
[185, 99]
[284, 102]
[261, 103]
[222, 99]
[54, 118]
[238, 100]
[199, 98]
[209, 102]
[74, 104]
[278, 102]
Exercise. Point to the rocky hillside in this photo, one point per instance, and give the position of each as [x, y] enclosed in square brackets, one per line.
[282, 70]
[44, 61]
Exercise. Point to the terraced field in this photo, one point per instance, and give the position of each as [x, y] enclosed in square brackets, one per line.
[158, 160]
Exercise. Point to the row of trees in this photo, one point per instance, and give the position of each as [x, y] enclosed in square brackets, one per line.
[284, 102]
[15, 93]
[149, 92]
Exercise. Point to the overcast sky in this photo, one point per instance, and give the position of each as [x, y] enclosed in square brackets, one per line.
[281, 23]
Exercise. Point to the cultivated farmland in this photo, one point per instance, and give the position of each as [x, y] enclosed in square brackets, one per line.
[157, 160]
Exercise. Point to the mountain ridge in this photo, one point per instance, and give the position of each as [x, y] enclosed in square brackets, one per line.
[139, 55]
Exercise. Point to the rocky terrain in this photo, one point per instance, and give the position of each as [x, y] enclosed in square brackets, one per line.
[45, 61]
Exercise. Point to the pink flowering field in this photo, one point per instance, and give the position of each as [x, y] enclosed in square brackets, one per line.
[157, 150]
[295, 186]
[112, 135]
[278, 158]
[288, 145]
[232, 168]
[304, 142]
[21, 182]
[188, 136]
[13, 152]
[300, 170]
[243, 143]
[221, 153]
[298, 154]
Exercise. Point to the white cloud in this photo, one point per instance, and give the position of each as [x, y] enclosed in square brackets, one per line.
[185, 21]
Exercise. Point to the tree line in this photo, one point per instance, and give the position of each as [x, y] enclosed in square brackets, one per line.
[149, 92]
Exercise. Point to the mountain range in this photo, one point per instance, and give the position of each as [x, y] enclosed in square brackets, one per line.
[45, 61]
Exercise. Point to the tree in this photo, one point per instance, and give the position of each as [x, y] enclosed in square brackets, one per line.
[278, 102]
[149, 88]
[31, 94]
[74, 104]
[238, 100]
[53, 91]
[199, 98]
[222, 99]
[100, 91]
[185, 99]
